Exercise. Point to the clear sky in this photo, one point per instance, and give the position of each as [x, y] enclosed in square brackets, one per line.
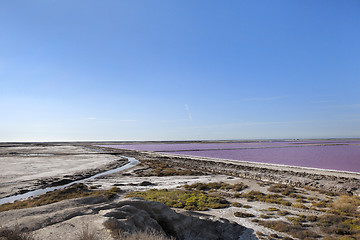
[179, 70]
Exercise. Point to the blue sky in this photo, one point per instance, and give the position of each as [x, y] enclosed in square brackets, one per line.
[179, 70]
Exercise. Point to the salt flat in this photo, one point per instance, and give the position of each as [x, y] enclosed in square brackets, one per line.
[24, 167]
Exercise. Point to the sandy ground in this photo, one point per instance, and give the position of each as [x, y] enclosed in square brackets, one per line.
[22, 167]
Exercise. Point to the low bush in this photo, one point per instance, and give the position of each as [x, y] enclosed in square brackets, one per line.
[243, 215]
[162, 169]
[262, 197]
[297, 220]
[346, 205]
[339, 225]
[311, 218]
[293, 230]
[236, 204]
[313, 199]
[272, 209]
[282, 188]
[114, 189]
[299, 205]
[301, 201]
[216, 186]
[189, 200]
[321, 204]
[283, 213]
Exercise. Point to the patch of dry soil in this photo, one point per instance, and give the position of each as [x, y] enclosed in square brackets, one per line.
[25, 168]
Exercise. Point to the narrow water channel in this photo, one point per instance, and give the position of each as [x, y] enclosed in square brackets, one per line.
[132, 162]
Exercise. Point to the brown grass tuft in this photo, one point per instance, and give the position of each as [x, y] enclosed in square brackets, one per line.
[87, 234]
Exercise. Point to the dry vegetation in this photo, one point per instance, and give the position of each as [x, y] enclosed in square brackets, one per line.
[74, 191]
[336, 218]
[161, 169]
[118, 234]
[243, 215]
[87, 234]
[145, 235]
[189, 200]
[294, 230]
[216, 186]
[14, 234]
[340, 221]
[268, 198]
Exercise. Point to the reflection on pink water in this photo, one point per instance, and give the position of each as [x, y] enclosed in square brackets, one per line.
[336, 155]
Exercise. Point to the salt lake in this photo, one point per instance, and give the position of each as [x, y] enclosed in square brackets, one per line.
[341, 155]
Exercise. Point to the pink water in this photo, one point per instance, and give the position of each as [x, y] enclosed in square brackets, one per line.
[335, 155]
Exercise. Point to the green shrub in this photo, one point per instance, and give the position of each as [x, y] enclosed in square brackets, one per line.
[189, 200]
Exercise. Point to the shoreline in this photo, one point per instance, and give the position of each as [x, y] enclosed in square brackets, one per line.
[322, 179]
[272, 165]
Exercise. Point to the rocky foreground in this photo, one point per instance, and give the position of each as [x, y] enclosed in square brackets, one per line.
[67, 219]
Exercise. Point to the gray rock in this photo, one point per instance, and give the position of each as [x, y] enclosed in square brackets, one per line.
[139, 215]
